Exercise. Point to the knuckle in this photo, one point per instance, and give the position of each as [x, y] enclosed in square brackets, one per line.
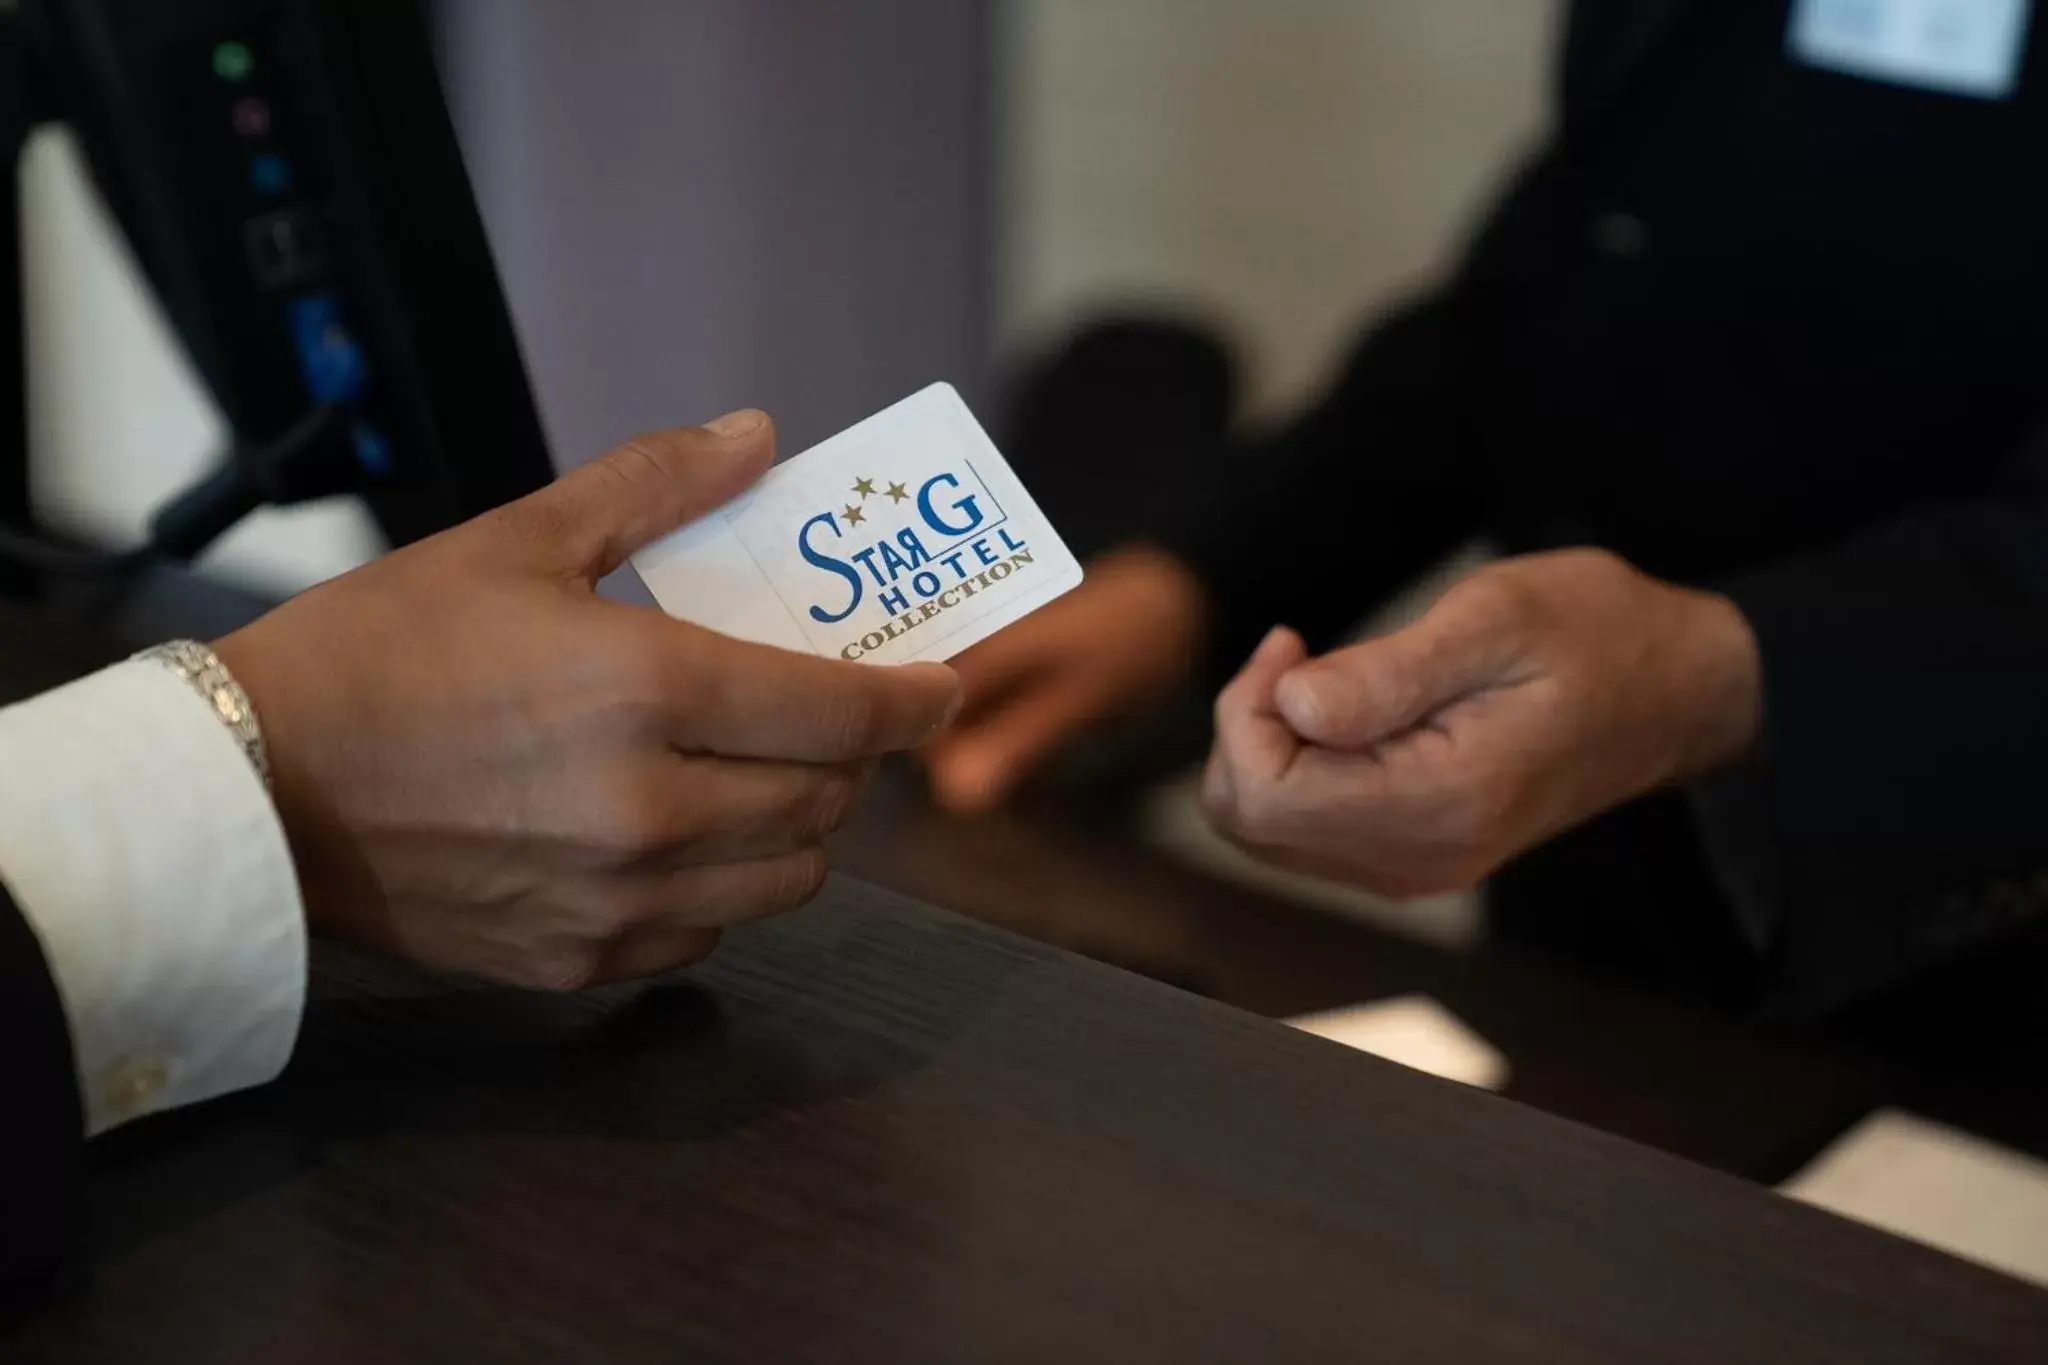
[798, 878]
[642, 655]
[631, 823]
[1489, 595]
[540, 523]
[825, 805]
[640, 832]
[636, 672]
[637, 465]
[695, 674]
[852, 721]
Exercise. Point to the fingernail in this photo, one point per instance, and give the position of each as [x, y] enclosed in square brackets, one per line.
[955, 791]
[736, 424]
[1299, 702]
[953, 708]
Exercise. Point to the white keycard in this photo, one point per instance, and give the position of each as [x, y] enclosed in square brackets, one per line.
[905, 537]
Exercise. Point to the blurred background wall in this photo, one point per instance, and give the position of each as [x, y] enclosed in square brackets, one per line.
[117, 418]
[1279, 163]
[702, 206]
[816, 207]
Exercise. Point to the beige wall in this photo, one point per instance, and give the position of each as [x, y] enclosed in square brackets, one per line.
[1282, 162]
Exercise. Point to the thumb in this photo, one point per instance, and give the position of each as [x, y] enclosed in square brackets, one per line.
[1358, 697]
[638, 492]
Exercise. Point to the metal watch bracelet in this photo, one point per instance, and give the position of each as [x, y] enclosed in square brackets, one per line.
[209, 677]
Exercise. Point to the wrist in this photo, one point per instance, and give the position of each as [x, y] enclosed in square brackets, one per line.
[1724, 673]
[292, 793]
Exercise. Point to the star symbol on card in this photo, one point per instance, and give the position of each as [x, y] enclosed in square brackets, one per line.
[864, 487]
[854, 516]
[897, 492]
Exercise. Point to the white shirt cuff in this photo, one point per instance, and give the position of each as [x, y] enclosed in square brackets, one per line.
[145, 853]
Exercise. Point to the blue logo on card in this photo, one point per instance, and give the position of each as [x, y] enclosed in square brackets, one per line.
[911, 554]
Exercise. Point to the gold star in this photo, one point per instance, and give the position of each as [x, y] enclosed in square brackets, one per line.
[897, 493]
[864, 487]
[854, 516]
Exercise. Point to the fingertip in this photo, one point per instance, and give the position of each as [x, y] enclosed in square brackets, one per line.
[966, 782]
[1269, 645]
[749, 444]
[1253, 686]
[646, 487]
[1281, 648]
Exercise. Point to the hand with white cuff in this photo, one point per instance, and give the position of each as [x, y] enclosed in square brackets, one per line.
[480, 766]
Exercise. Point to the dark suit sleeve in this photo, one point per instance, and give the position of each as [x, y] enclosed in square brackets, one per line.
[1313, 526]
[42, 1122]
[1899, 810]
[1378, 480]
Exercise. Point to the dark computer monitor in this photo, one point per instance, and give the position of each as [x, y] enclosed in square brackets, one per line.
[288, 176]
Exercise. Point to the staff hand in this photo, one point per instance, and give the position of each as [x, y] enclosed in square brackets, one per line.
[1538, 693]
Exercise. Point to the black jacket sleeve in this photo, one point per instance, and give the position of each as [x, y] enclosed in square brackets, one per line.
[42, 1121]
[1313, 526]
[1381, 478]
[1903, 783]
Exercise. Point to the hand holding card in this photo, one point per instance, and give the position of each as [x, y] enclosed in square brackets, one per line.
[906, 537]
[485, 768]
